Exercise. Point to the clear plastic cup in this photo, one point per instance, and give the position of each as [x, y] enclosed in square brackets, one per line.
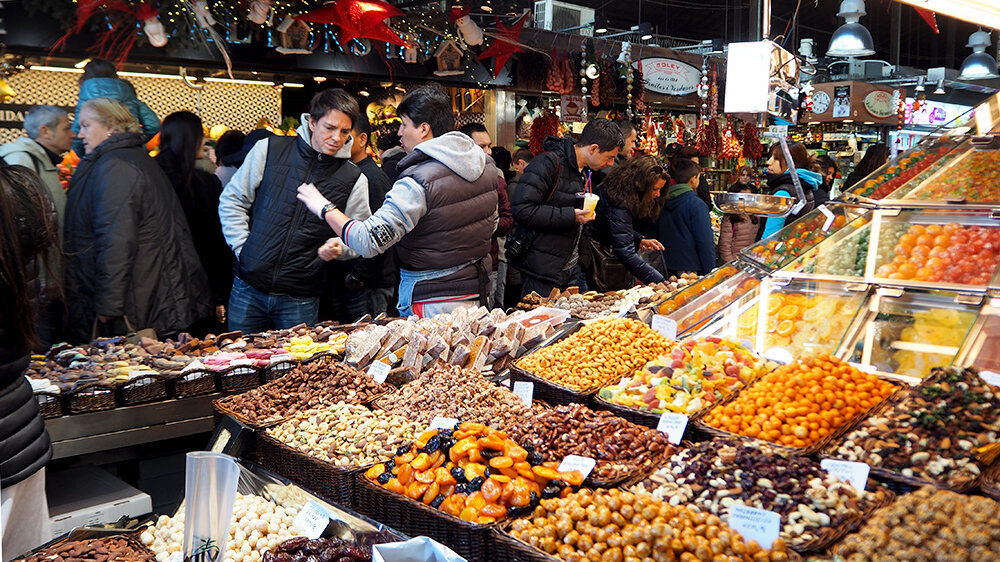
[209, 494]
[590, 202]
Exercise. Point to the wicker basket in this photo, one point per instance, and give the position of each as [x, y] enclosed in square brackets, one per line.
[469, 540]
[989, 484]
[239, 378]
[145, 388]
[219, 405]
[336, 484]
[548, 391]
[831, 535]
[91, 397]
[192, 383]
[277, 370]
[49, 404]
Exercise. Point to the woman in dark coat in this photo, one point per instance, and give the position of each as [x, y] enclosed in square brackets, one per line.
[181, 145]
[28, 229]
[629, 194]
[128, 247]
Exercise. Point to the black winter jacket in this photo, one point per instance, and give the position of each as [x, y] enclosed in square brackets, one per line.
[24, 443]
[544, 206]
[614, 227]
[128, 247]
[280, 254]
[379, 271]
[201, 208]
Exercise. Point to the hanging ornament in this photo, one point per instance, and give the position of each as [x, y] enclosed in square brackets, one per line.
[113, 42]
[554, 77]
[260, 12]
[651, 146]
[412, 52]
[202, 14]
[361, 19]
[468, 31]
[6, 92]
[583, 69]
[294, 36]
[568, 75]
[506, 43]
[640, 86]
[625, 58]
[730, 145]
[149, 15]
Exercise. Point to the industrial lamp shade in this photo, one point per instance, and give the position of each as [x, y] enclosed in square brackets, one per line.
[979, 64]
[851, 39]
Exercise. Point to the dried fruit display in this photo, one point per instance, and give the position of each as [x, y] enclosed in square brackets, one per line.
[791, 242]
[474, 473]
[945, 430]
[800, 404]
[616, 525]
[928, 525]
[696, 288]
[592, 304]
[904, 332]
[802, 324]
[950, 253]
[902, 172]
[975, 178]
[696, 374]
[599, 353]
[715, 475]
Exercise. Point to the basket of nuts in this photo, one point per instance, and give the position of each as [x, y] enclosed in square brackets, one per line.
[114, 547]
[990, 483]
[90, 396]
[325, 449]
[595, 354]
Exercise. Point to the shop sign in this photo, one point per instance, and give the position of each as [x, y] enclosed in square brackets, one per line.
[842, 101]
[879, 104]
[573, 109]
[669, 76]
[12, 114]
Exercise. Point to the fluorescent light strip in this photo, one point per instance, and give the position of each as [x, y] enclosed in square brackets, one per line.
[169, 76]
[982, 12]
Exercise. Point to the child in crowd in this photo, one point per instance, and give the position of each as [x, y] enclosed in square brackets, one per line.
[684, 227]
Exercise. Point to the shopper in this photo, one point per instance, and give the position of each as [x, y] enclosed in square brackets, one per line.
[279, 271]
[390, 153]
[498, 266]
[738, 230]
[744, 175]
[521, 160]
[228, 157]
[779, 182]
[181, 144]
[630, 135]
[684, 227]
[49, 137]
[549, 226]
[630, 193]
[28, 232]
[828, 169]
[439, 215]
[703, 189]
[875, 156]
[501, 158]
[130, 258]
[365, 285]
[100, 80]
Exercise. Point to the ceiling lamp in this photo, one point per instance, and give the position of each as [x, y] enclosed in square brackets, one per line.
[920, 84]
[851, 39]
[940, 88]
[979, 64]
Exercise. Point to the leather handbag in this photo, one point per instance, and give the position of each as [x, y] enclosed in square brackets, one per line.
[606, 270]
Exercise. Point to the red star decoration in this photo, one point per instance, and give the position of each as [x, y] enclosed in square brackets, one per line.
[358, 19]
[505, 45]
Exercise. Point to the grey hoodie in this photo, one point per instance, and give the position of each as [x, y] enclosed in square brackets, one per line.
[406, 202]
[239, 194]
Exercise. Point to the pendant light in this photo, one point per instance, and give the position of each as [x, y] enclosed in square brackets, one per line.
[851, 39]
[979, 64]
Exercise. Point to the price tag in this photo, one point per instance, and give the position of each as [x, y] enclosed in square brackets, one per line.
[666, 326]
[278, 358]
[312, 520]
[755, 524]
[870, 369]
[673, 425]
[39, 384]
[625, 309]
[525, 391]
[379, 371]
[990, 377]
[778, 355]
[442, 423]
[196, 364]
[574, 462]
[132, 375]
[854, 473]
[829, 217]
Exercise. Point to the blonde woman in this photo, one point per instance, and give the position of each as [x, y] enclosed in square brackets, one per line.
[131, 262]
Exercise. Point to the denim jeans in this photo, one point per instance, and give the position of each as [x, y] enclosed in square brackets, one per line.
[254, 311]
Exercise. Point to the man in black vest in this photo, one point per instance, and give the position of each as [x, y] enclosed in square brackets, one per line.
[439, 215]
[278, 267]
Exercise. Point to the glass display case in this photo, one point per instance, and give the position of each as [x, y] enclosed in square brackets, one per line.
[791, 242]
[909, 168]
[784, 319]
[972, 177]
[842, 255]
[692, 291]
[693, 315]
[910, 331]
[982, 347]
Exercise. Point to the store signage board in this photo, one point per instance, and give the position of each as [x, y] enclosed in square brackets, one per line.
[441, 422]
[12, 114]
[379, 371]
[666, 326]
[842, 101]
[673, 425]
[879, 104]
[749, 65]
[525, 390]
[854, 473]
[990, 377]
[755, 524]
[573, 109]
[584, 465]
[669, 76]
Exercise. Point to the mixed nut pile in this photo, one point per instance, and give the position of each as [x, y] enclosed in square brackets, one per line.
[103, 549]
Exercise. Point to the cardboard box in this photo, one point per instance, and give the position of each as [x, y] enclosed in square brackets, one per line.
[90, 496]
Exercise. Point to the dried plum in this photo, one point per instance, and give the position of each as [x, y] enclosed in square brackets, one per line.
[458, 474]
[437, 501]
[475, 484]
[292, 544]
[384, 477]
[403, 449]
[433, 444]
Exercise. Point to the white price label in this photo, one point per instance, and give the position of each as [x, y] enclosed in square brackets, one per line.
[379, 371]
[829, 217]
[666, 326]
[870, 369]
[525, 391]
[196, 364]
[585, 465]
[854, 473]
[755, 524]
[673, 425]
[626, 307]
[312, 520]
[442, 423]
[132, 375]
[990, 377]
[279, 357]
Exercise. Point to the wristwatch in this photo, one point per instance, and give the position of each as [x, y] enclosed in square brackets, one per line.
[326, 208]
